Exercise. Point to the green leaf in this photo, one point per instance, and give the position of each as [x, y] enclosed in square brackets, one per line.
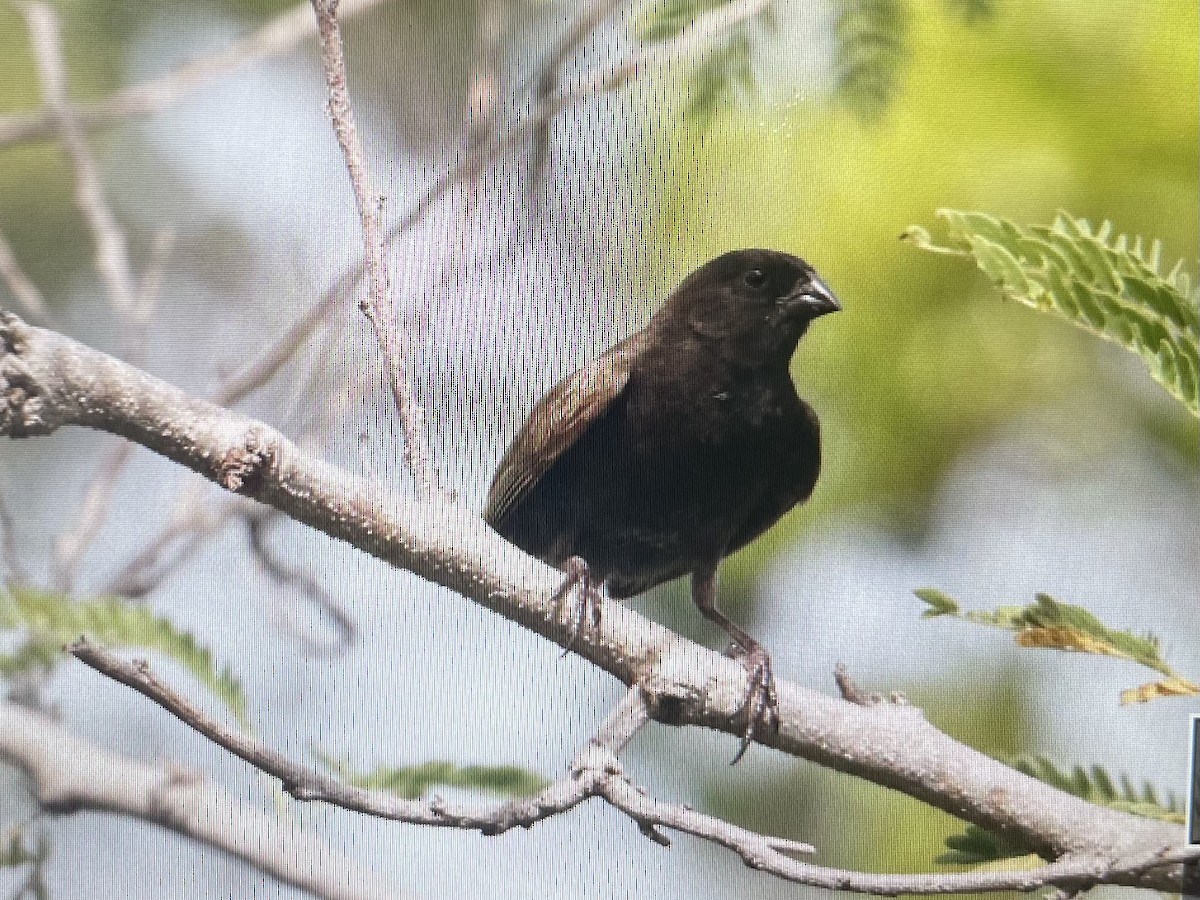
[940, 604]
[414, 782]
[1050, 624]
[51, 620]
[1109, 286]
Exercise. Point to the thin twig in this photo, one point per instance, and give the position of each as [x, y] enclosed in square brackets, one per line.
[693, 39]
[279, 35]
[111, 260]
[80, 533]
[22, 288]
[377, 305]
[579, 30]
[258, 519]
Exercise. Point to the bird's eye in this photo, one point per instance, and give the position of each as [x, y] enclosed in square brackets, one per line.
[754, 279]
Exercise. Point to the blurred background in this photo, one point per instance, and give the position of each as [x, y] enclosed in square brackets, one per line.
[972, 445]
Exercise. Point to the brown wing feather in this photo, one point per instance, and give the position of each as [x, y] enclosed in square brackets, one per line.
[556, 423]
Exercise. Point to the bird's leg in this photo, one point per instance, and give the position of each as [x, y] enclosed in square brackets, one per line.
[761, 703]
[579, 575]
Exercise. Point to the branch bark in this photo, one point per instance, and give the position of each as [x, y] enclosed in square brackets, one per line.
[48, 381]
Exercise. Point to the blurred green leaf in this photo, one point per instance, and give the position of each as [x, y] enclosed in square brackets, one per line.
[660, 20]
[871, 50]
[414, 782]
[1106, 284]
[939, 604]
[49, 620]
[973, 11]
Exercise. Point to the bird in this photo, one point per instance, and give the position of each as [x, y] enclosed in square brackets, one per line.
[676, 448]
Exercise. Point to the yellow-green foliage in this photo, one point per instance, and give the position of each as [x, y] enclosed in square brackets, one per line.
[1107, 285]
[46, 621]
[1052, 625]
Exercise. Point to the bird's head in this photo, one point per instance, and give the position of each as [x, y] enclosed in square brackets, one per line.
[753, 303]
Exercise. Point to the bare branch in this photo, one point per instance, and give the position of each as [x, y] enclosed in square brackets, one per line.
[74, 539]
[279, 35]
[48, 380]
[112, 260]
[22, 288]
[377, 306]
[71, 775]
[258, 519]
[597, 773]
[192, 521]
[78, 535]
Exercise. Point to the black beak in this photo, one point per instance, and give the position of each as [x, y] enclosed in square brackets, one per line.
[814, 297]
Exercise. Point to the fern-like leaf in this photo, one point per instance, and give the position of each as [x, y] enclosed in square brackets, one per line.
[975, 845]
[1106, 284]
[1050, 624]
[50, 620]
[414, 782]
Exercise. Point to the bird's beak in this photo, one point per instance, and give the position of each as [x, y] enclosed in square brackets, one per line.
[814, 297]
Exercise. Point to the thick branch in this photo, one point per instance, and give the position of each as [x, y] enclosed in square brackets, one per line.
[70, 775]
[48, 380]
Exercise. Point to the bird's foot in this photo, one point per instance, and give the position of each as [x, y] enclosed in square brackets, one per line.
[761, 703]
[588, 609]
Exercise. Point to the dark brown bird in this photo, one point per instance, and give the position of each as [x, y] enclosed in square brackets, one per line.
[676, 448]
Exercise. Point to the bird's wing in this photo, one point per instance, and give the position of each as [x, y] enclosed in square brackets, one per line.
[555, 424]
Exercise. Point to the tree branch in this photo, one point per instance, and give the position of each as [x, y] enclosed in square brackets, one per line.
[71, 775]
[596, 772]
[48, 380]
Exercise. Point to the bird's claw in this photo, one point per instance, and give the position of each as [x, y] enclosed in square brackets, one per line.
[761, 703]
[588, 611]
